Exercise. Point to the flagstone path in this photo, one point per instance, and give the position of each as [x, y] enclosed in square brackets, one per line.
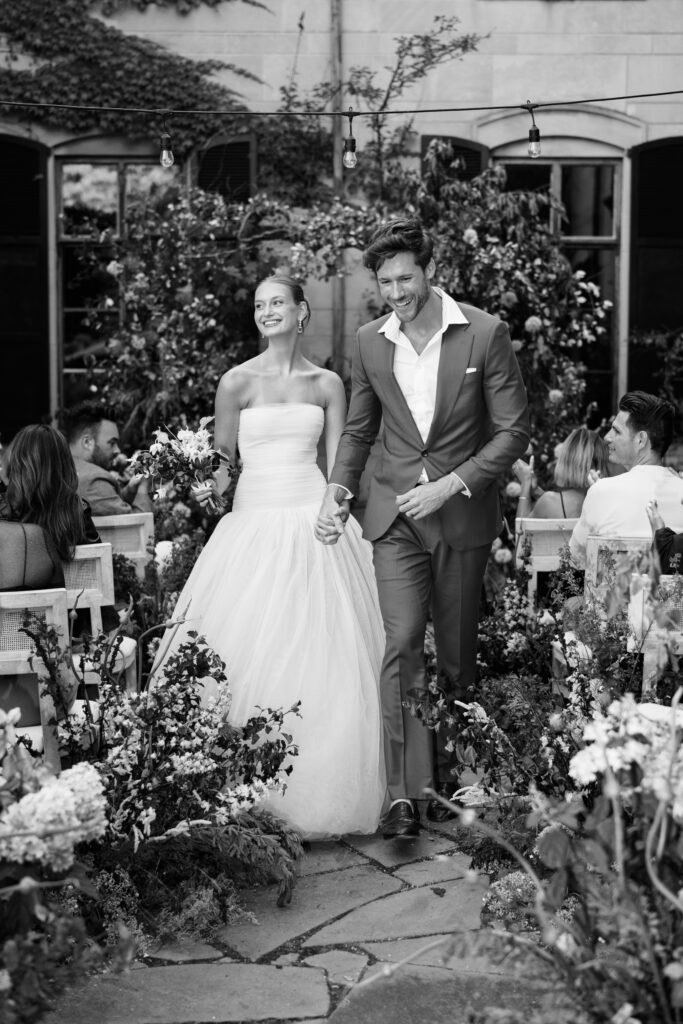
[360, 905]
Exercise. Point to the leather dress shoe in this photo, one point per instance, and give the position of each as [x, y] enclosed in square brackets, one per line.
[436, 810]
[402, 821]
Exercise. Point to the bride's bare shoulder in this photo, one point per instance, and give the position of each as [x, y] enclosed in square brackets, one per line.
[330, 382]
[238, 379]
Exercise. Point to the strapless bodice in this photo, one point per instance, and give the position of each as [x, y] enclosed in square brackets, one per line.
[278, 446]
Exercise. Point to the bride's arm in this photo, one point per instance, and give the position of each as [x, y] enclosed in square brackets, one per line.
[335, 417]
[227, 413]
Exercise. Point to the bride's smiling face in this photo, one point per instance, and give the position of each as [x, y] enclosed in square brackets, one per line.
[275, 310]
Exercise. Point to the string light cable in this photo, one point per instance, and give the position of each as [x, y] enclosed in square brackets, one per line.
[349, 157]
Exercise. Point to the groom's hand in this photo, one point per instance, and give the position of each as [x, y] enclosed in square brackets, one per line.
[424, 499]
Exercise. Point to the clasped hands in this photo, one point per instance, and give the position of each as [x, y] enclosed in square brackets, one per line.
[416, 503]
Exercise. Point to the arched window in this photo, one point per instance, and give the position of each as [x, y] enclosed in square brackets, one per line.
[227, 165]
[473, 156]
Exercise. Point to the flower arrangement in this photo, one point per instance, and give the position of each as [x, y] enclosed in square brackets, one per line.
[185, 459]
[44, 820]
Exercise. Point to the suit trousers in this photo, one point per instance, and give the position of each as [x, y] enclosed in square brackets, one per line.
[417, 572]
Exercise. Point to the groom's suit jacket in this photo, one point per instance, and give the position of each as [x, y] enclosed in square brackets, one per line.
[480, 427]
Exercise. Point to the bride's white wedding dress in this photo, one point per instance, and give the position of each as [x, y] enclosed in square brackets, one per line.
[296, 620]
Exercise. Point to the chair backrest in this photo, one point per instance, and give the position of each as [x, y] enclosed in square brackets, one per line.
[601, 552]
[131, 535]
[89, 578]
[544, 540]
[17, 649]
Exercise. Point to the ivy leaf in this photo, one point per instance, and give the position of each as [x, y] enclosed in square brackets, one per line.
[554, 848]
[594, 855]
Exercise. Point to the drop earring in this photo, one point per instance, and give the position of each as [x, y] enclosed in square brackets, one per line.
[299, 327]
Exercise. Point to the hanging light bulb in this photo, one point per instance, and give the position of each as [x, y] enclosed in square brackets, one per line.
[166, 158]
[349, 159]
[534, 149]
[534, 143]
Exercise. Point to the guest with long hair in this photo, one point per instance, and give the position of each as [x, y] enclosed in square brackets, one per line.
[42, 488]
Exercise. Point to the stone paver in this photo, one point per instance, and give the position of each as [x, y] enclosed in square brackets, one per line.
[316, 900]
[389, 853]
[198, 992]
[446, 908]
[322, 857]
[436, 996]
[186, 952]
[342, 968]
[361, 905]
[442, 868]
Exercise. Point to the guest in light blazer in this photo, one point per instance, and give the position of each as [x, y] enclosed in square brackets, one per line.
[441, 382]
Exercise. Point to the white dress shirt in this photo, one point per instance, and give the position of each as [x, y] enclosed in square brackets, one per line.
[615, 506]
[417, 375]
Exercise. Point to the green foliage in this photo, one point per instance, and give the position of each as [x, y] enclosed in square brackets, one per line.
[82, 60]
[110, 7]
[186, 268]
[660, 354]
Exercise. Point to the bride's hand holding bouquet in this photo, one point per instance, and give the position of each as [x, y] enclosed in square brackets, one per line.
[187, 460]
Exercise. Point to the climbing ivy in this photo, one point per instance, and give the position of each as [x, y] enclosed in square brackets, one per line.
[182, 6]
[82, 60]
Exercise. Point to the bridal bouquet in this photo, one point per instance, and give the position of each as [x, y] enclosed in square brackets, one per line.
[186, 459]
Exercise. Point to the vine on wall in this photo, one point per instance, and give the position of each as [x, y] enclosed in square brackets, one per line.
[82, 60]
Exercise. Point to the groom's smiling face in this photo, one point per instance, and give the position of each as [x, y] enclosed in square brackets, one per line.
[404, 285]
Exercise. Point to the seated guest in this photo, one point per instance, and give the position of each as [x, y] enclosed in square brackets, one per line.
[668, 544]
[581, 453]
[638, 440]
[94, 442]
[28, 558]
[42, 517]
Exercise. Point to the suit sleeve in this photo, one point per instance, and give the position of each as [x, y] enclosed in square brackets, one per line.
[361, 429]
[507, 409]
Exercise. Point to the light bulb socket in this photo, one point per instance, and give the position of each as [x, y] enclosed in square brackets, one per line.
[534, 142]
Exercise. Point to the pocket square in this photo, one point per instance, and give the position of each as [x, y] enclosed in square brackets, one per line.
[471, 369]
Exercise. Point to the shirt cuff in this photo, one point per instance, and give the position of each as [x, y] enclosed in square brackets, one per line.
[465, 489]
[341, 493]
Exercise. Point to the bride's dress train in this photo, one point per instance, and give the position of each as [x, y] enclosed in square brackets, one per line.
[296, 620]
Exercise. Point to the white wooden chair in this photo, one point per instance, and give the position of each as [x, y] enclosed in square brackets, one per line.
[545, 539]
[600, 587]
[131, 535]
[20, 685]
[624, 553]
[89, 578]
[657, 623]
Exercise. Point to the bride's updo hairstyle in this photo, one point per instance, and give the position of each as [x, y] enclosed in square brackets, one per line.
[294, 287]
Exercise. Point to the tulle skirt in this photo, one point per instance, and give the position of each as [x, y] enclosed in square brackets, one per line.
[296, 620]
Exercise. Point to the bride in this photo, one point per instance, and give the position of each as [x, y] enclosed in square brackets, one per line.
[294, 620]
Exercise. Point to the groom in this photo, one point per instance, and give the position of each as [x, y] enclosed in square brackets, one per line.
[441, 382]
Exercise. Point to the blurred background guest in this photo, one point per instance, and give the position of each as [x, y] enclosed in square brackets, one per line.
[93, 438]
[42, 517]
[581, 458]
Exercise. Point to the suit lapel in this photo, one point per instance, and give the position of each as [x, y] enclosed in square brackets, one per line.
[393, 396]
[456, 348]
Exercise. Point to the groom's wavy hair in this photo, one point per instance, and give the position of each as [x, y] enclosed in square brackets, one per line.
[294, 287]
[405, 234]
[656, 416]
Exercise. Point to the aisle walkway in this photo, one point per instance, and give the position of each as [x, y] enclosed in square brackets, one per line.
[360, 905]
